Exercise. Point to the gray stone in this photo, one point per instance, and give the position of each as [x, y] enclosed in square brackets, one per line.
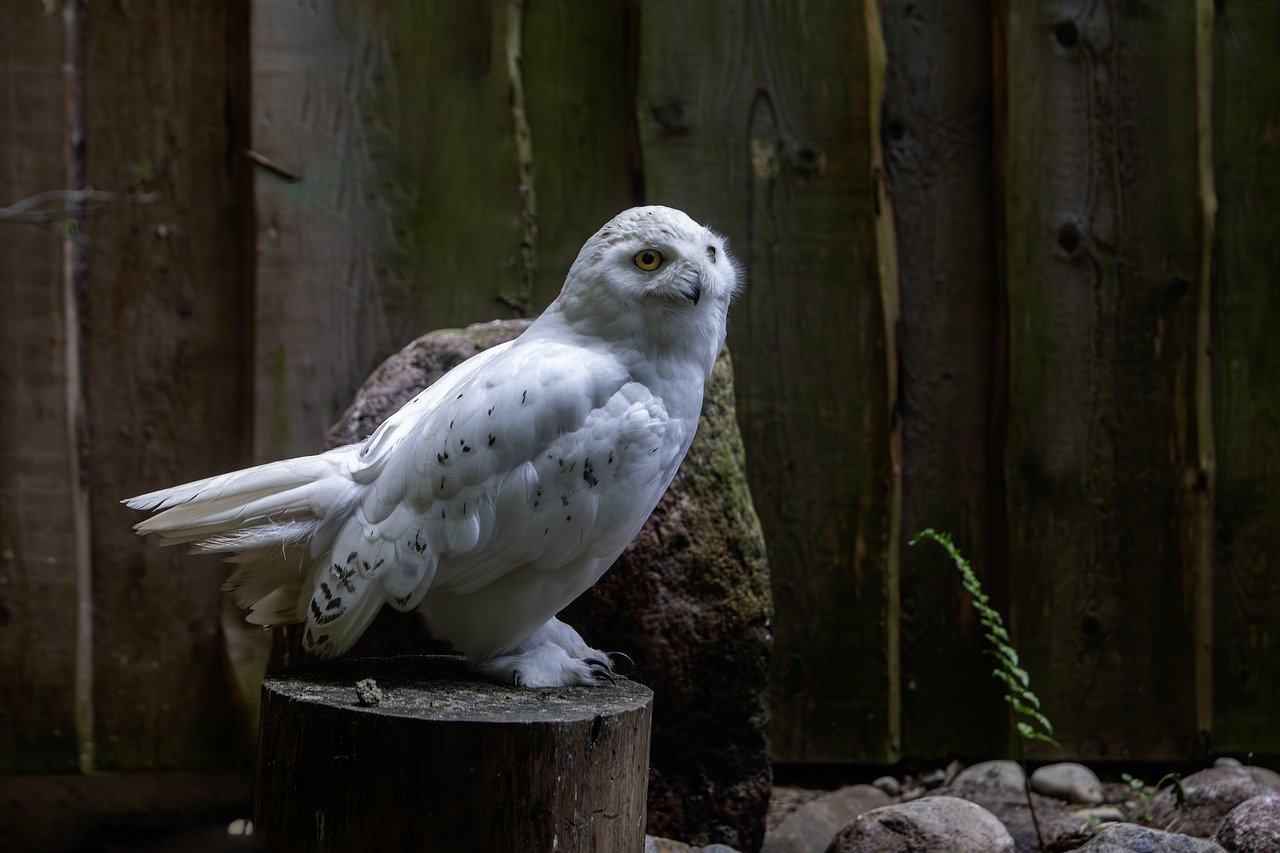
[1132, 838]
[813, 825]
[1265, 777]
[1061, 828]
[1210, 794]
[1004, 774]
[928, 825]
[1227, 761]
[889, 785]
[1251, 827]
[1068, 781]
[689, 601]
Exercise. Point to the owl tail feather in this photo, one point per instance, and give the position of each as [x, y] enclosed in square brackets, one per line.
[273, 520]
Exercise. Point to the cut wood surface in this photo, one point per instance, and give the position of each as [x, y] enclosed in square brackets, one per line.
[444, 761]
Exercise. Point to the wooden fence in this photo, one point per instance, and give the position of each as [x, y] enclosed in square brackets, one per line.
[1010, 275]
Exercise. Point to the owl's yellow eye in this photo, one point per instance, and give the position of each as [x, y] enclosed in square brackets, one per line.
[648, 259]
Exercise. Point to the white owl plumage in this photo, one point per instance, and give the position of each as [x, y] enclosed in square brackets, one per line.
[504, 490]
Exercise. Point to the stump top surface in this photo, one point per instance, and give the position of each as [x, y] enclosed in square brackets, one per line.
[438, 687]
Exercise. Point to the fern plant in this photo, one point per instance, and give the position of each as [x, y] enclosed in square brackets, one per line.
[1029, 720]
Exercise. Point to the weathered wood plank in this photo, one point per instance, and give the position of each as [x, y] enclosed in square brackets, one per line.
[937, 137]
[579, 88]
[395, 117]
[753, 118]
[1246, 352]
[42, 591]
[165, 361]
[1103, 252]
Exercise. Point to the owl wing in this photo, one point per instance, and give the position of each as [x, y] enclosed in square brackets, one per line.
[464, 483]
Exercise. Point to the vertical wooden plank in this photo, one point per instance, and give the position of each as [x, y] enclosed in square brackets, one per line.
[1103, 252]
[41, 663]
[937, 137]
[1246, 351]
[753, 118]
[405, 213]
[579, 85]
[165, 295]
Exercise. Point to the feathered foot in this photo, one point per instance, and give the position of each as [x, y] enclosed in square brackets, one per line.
[555, 656]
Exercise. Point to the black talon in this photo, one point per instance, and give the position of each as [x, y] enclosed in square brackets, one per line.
[623, 655]
[517, 679]
[597, 662]
[604, 673]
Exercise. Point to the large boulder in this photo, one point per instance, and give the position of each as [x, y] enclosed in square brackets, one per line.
[689, 601]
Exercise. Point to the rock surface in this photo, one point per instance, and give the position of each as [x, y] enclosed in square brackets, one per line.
[689, 601]
[1251, 827]
[1265, 777]
[1211, 794]
[1132, 838]
[814, 824]
[1062, 828]
[928, 825]
[1002, 774]
[889, 785]
[1068, 781]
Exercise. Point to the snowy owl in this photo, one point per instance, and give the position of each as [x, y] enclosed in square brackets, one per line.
[503, 491]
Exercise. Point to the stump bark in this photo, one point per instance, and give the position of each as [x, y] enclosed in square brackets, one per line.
[445, 761]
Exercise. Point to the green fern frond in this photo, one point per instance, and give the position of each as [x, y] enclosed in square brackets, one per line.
[1024, 703]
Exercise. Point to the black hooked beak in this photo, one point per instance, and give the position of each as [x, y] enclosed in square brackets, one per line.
[694, 292]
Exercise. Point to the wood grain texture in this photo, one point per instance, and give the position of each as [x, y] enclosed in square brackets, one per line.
[446, 762]
[164, 365]
[40, 592]
[406, 214]
[753, 118]
[1246, 351]
[579, 83]
[937, 137]
[1103, 250]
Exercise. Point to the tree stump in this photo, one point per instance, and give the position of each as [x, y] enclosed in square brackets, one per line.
[441, 760]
